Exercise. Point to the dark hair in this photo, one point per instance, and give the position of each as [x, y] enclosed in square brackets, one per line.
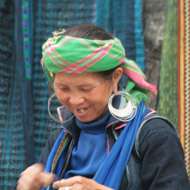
[88, 31]
[92, 32]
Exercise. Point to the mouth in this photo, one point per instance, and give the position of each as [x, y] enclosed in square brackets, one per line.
[82, 110]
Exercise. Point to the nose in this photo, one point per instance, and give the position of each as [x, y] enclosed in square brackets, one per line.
[76, 99]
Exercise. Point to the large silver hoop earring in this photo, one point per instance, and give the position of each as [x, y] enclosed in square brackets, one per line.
[124, 114]
[56, 120]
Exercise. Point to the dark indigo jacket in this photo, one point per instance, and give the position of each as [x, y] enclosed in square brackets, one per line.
[156, 162]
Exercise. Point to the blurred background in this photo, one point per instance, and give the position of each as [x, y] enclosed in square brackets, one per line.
[154, 33]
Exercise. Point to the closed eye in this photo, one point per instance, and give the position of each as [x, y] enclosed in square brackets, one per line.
[64, 89]
[86, 89]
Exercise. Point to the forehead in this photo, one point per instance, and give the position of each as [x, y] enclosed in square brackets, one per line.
[78, 79]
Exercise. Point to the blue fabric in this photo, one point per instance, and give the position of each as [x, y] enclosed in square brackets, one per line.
[57, 170]
[48, 166]
[89, 153]
[139, 37]
[112, 170]
[123, 18]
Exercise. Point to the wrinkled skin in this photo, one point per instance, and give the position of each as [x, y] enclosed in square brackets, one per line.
[86, 95]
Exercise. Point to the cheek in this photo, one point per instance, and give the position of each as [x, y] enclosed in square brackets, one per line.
[61, 96]
[100, 107]
[101, 100]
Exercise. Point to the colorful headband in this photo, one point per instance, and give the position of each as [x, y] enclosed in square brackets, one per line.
[67, 54]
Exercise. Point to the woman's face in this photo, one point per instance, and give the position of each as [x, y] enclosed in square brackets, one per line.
[86, 95]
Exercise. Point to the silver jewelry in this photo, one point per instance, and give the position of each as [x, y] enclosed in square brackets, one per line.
[67, 188]
[123, 114]
[56, 120]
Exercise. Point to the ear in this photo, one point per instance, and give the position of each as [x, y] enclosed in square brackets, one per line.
[116, 76]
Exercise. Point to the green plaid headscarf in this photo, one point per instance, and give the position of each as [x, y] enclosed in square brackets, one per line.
[67, 54]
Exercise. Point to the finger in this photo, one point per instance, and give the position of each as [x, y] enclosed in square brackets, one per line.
[33, 169]
[59, 184]
[67, 182]
[47, 179]
[35, 178]
[27, 183]
[23, 185]
[62, 183]
[66, 188]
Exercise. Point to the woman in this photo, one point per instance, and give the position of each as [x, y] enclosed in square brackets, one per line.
[108, 139]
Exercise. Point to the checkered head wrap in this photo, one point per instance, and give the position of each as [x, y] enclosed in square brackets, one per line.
[67, 54]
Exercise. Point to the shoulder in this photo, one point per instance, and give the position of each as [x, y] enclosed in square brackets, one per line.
[53, 137]
[156, 131]
[160, 152]
[156, 124]
[49, 144]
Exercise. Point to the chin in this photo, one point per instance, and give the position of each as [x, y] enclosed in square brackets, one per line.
[87, 120]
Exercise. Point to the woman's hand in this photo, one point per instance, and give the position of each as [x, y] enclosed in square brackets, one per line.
[77, 183]
[34, 178]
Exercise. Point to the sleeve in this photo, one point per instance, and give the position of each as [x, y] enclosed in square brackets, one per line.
[49, 144]
[163, 166]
